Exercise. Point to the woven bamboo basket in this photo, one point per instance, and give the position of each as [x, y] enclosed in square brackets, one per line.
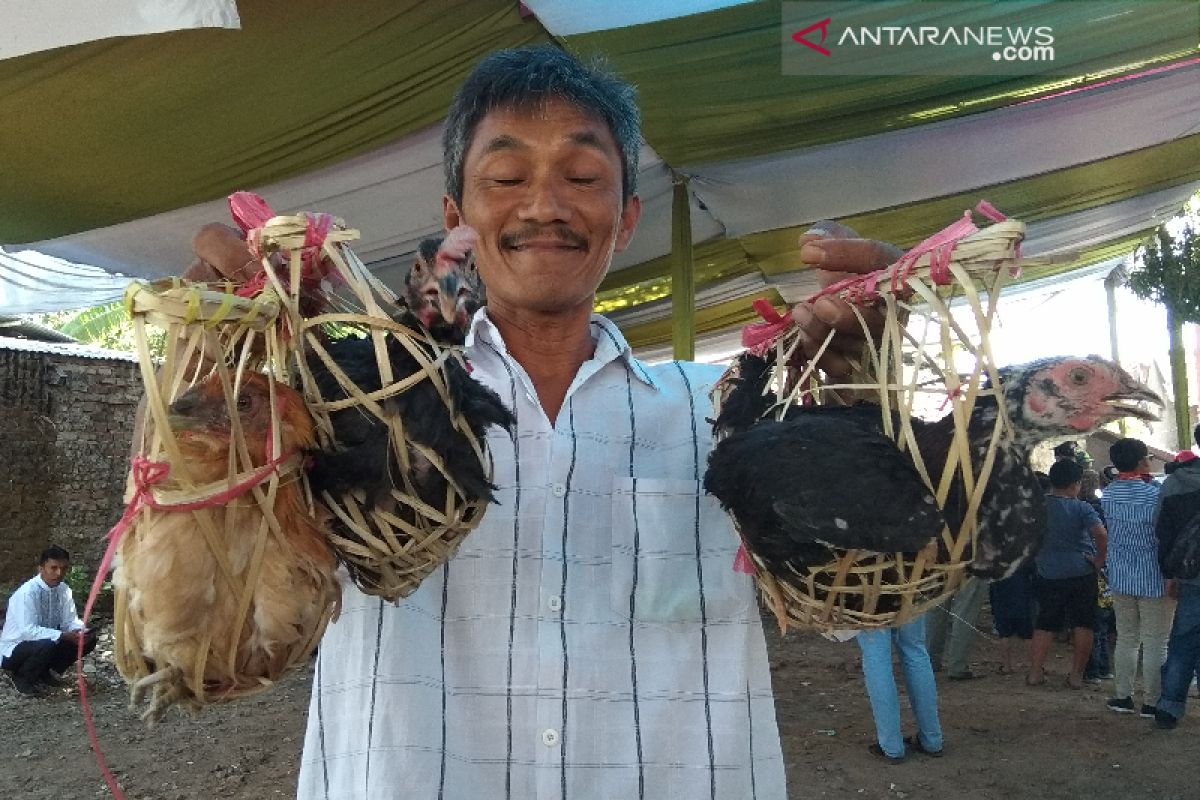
[387, 552]
[924, 359]
[185, 531]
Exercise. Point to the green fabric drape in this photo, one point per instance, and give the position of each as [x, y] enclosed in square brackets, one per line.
[712, 87]
[110, 131]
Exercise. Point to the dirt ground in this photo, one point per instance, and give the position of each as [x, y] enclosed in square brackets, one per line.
[1004, 740]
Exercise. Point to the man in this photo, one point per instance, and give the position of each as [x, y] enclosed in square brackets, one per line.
[41, 627]
[951, 629]
[590, 639]
[1177, 519]
[1140, 597]
[1075, 546]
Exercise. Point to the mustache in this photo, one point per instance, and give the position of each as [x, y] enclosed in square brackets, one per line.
[529, 233]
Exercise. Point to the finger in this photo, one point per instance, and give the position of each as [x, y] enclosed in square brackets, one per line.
[856, 256]
[839, 316]
[222, 247]
[200, 271]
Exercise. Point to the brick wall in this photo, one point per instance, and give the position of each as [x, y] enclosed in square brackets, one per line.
[66, 422]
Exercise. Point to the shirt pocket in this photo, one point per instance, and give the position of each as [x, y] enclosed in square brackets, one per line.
[656, 576]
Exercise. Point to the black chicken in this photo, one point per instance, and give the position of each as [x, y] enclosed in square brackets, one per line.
[827, 478]
[364, 458]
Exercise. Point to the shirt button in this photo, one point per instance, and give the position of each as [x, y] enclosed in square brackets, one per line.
[554, 604]
[550, 737]
[558, 490]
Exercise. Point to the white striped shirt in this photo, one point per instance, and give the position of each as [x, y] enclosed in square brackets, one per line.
[1132, 563]
[589, 640]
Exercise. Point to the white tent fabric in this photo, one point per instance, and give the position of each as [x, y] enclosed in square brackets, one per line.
[948, 157]
[32, 282]
[30, 27]
[391, 195]
[1055, 236]
[569, 17]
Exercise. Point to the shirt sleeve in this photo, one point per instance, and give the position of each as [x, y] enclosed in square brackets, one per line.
[1088, 515]
[69, 620]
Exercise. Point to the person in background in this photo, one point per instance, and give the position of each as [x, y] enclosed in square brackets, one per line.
[1066, 564]
[1178, 532]
[1012, 613]
[876, 646]
[41, 627]
[950, 629]
[1064, 451]
[1140, 594]
[1104, 633]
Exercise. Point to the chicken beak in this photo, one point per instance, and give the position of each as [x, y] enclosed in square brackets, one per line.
[448, 307]
[1131, 401]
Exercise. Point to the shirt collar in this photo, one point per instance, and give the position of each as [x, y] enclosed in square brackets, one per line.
[610, 344]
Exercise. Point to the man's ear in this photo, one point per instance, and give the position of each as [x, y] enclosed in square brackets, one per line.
[630, 214]
[451, 215]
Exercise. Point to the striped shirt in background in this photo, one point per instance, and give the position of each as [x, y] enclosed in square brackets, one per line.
[1132, 564]
[589, 640]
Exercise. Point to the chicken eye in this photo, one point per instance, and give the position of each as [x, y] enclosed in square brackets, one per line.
[244, 402]
[1078, 376]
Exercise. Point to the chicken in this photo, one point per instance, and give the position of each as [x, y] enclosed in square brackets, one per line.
[363, 458]
[183, 604]
[441, 294]
[442, 290]
[802, 489]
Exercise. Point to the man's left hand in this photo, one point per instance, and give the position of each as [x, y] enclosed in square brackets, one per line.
[837, 252]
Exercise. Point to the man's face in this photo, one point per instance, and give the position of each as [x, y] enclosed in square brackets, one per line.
[542, 187]
[52, 571]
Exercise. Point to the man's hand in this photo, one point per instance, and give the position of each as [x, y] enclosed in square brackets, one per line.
[221, 255]
[70, 636]
[837, 253]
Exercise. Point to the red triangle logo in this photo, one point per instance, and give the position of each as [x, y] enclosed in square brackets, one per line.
[823, 27]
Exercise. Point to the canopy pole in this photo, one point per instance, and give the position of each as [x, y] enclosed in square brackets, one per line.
[1114, 278]
[683, 275]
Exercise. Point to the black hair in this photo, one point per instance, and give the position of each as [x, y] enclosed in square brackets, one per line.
[1126, 453]
[1064, 473]
[53, 552]
[528, 77]
[1065, 450]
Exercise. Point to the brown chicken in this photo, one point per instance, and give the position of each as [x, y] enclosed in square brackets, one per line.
[185, 637]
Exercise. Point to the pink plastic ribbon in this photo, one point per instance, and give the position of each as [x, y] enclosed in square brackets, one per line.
[742, 562]
[251, 212]
[758, 337]
[940, 248]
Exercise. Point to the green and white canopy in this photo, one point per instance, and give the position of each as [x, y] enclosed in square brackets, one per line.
[115, 151]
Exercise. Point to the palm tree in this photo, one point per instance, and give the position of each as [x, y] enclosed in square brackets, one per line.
[104, 326]
[1169, 273]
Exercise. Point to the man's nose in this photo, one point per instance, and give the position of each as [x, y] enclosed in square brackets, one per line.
[545, 201]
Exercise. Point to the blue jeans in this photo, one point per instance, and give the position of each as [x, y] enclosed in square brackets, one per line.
[1183, 651]
[876, 646]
